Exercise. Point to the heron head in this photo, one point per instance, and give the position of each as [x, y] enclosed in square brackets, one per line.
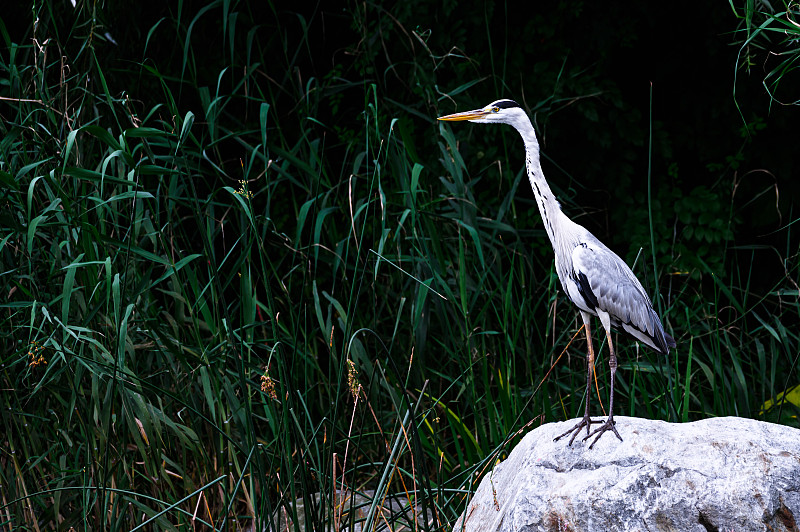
[500, 111]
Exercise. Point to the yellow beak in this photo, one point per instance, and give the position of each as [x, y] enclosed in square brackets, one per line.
[466, 115]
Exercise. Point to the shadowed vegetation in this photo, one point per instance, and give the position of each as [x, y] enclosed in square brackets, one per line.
[242, 264]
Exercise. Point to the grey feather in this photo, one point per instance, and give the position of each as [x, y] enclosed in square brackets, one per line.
[617, 291]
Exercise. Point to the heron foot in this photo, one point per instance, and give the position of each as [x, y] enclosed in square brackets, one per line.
[585, 422]
[609, 424]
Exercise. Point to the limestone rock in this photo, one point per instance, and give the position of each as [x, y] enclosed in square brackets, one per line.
[717, 474]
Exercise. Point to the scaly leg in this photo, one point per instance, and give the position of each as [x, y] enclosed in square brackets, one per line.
[612, 363]
[587, 420]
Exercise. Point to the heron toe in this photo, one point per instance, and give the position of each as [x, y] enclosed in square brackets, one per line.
[609, 424]
[585, 422]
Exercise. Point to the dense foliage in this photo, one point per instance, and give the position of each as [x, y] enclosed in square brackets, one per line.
[242, 264]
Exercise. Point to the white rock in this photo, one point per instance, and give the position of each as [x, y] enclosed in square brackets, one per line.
[717, 474]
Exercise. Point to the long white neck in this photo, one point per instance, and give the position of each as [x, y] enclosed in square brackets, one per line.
[549, 208]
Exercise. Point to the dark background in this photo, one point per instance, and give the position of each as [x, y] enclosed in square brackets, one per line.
[588, 72]
[585, 71]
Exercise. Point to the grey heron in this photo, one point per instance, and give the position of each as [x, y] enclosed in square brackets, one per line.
[593, 277]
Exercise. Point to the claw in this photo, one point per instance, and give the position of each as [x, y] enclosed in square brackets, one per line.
[609, 424]
[585, 422]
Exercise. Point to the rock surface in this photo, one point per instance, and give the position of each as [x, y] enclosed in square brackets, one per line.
[718, 474]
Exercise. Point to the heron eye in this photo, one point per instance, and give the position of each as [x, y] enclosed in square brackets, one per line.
[495, 109]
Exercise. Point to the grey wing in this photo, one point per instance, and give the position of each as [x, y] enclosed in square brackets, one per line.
[605, 282]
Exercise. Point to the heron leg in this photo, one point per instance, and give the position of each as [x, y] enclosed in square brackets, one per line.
[587, 420]
[609, 424]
